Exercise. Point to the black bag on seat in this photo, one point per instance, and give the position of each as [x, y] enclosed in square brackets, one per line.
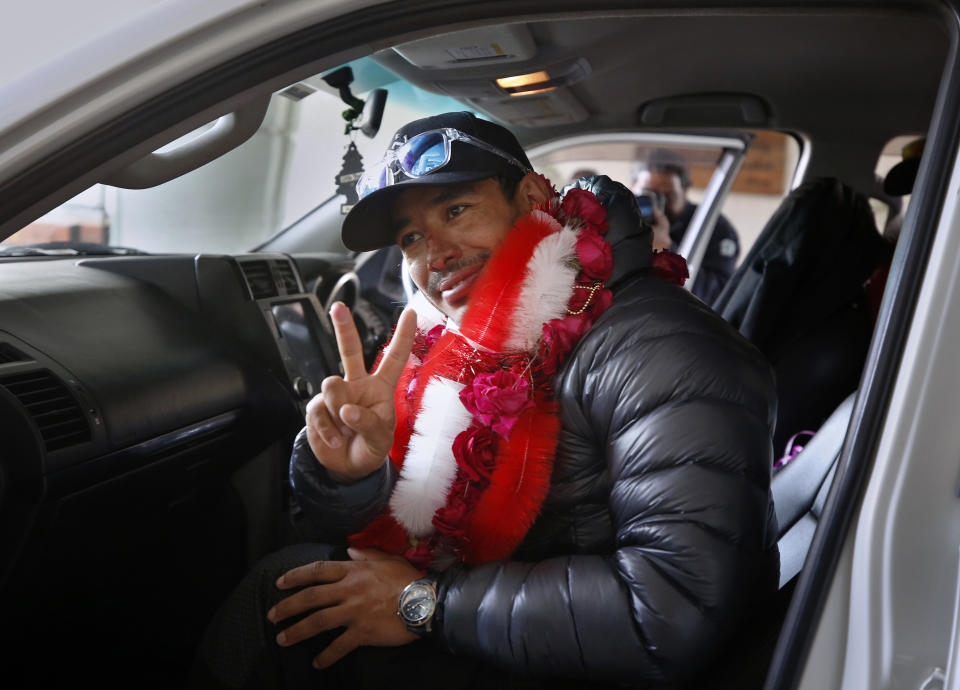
[799, 297]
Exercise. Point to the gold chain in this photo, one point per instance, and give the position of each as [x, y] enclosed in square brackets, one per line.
[593, 290]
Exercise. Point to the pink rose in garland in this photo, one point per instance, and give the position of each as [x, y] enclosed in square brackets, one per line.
[433, 335]
[595, 255]
[497, 399]
[422, 342]
[584, 205]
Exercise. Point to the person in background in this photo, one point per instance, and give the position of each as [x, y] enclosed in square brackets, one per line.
[582, 172]
[666, 172]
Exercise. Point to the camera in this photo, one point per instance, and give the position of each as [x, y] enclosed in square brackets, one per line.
[648, 200]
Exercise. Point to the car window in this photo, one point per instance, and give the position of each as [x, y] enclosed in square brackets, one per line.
[889, 212]
[241, 199]
[762, 182]
[765, 178]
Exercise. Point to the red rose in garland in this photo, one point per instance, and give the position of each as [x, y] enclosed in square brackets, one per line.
[584, 206]
[475, 451]
[671, 267]
[595, 256]
[449, 521]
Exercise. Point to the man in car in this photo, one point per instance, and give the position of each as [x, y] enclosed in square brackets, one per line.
[665, 172]
[558, 471]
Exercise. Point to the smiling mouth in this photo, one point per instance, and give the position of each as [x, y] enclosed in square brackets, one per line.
[456, 287]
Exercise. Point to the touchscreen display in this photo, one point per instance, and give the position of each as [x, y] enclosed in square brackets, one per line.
[294, 324]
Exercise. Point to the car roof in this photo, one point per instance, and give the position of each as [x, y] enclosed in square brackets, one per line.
[821, 74]
[845, 78]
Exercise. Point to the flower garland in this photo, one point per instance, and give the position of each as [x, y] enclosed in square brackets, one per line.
[490, 383]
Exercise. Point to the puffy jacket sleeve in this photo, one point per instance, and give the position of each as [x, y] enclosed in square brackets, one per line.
[666, 417]
[336, 510]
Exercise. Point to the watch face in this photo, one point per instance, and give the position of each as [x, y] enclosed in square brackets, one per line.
[417, 603]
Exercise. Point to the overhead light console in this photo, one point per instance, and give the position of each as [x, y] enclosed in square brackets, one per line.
[498, 70]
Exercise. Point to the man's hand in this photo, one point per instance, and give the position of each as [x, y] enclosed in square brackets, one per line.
[661, 231]
[350, 423]
[360, 595]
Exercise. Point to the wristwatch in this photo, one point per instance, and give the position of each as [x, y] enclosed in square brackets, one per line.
[417, 604]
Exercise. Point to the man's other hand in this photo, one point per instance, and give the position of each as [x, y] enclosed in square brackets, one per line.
[360, 595]
[350, 422]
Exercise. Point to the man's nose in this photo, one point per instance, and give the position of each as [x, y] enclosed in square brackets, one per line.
[441, 252]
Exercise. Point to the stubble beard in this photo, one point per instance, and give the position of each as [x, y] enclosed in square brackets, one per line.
[435, 277]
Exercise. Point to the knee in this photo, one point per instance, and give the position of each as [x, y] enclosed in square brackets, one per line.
[266, 572]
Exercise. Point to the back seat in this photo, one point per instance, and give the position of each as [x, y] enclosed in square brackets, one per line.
[799, 296]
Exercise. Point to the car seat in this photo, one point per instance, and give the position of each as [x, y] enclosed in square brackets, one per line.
[799, 296]
[800, 490]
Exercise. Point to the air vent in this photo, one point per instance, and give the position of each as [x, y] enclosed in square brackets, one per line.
[8, 354]
[259, 279]
[54, 410]
[286, 277]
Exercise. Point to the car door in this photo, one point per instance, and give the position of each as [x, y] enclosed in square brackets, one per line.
[876, 605]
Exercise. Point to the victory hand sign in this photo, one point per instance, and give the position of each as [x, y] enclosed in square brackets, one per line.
[350, 423]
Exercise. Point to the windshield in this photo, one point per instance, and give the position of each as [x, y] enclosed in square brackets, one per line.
[240, 200]
[289, 169]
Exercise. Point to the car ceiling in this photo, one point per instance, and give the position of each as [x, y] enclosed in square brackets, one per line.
[846, 79]
[822, 74]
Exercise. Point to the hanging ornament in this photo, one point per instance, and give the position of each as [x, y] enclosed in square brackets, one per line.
[346, 180]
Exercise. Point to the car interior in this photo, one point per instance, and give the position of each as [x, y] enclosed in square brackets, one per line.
[157, 355]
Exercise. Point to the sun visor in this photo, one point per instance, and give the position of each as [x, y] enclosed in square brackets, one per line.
[490, 45]
[556, 107]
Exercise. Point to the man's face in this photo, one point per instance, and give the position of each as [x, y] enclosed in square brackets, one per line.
[447, 234]
[667, 184]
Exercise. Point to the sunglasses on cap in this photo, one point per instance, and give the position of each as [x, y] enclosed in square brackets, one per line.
[421, 155]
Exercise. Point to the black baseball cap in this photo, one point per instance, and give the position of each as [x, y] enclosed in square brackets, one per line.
[368, 225]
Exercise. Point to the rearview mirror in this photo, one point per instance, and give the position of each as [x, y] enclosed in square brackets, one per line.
[372, 113]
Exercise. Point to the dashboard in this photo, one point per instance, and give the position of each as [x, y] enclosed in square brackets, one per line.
[148, 405]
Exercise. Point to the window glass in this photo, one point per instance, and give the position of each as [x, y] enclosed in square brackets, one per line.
[236, 202]
[889, 212]
[763, 181]
[765, 178]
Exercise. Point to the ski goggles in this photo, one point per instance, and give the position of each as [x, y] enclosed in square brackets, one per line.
[421, 155]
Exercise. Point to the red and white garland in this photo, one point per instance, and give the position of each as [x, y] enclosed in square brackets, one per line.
[477, 423]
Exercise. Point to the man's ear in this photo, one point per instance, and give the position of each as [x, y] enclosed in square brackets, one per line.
[532, 191]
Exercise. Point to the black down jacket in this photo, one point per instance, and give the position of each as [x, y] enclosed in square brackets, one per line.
[658, 531]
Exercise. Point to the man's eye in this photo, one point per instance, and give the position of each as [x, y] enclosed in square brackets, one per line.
[408, 239]
[455, 211]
